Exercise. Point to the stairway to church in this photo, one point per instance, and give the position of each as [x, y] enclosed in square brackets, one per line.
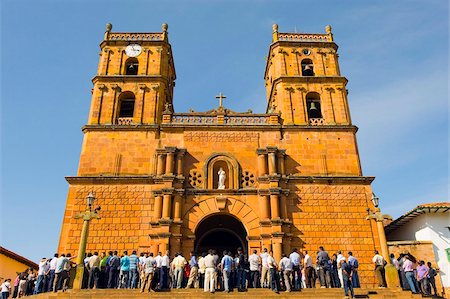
[252, 293]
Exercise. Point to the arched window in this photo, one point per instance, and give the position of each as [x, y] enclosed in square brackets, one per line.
[307, 68]
[131, 66]
[126, 108]
[313, 105]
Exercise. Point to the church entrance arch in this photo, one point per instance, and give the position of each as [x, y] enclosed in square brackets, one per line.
[220, 232]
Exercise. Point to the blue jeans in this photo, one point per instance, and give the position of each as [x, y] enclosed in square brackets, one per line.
[347, 285]
[39, 284]
[410, 278]
[274, 281]
[241, 279]
[163, 278]
[5, 295]
[50, 280]
[134, 277]
[296, 277]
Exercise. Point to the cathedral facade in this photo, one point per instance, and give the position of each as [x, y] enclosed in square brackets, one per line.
[287, 178]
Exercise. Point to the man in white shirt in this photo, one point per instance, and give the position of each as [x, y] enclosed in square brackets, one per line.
[164, 274]
[265, 279]
[209, 272]
[158, 260]
[308, 262]
[6, 288]
[274, 282]
[148, 270]
[43, 269]
[202, 270]
[286, 267]
[178, 262]
[340, 257]
[94, 271]
[378, 261]
[295, 259]
[52, 273]
[255, 263]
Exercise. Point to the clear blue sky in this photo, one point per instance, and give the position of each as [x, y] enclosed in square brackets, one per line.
[394, 53]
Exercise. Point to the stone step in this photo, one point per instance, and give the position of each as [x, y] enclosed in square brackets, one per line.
[251, 293]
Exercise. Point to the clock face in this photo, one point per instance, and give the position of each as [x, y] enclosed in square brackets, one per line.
[306, 51]
[133, 50]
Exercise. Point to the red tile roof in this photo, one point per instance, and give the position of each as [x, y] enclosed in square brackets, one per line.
[18, 258]
[434, 207]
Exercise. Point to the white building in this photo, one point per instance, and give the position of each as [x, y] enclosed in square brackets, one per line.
[427, 222]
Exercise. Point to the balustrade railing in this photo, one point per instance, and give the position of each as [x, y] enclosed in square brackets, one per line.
[135, 36]
[193, 119]
[246, 120]
[124, 121]
[316, 121]
[301, 37]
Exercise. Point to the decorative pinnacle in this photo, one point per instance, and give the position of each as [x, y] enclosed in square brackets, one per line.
[275, 27]
[164, 27]
[108, 27]
[328, 29]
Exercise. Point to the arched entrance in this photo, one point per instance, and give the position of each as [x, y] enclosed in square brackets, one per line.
[220, 232]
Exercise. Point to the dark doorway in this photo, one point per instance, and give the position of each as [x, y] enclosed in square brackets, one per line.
[220, 232]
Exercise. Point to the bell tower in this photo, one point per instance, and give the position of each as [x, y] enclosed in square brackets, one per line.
[303, 80]
[135, 79]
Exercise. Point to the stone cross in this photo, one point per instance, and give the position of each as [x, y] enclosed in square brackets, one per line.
[220, 97]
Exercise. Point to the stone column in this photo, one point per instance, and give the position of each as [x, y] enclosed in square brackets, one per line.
[167, 204]
[262, 161]
[170, 160]
[158, 207]
[274, 206]
[177, 207]
[281, 166]
[265, 207]
[272, 160]
[180, 156]
[161, 163]
[283, 207]
[277, 248]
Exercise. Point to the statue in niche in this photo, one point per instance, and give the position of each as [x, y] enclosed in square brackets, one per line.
[222, 176]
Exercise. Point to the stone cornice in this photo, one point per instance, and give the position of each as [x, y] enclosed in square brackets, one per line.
[224, 192]
[312, 79]
[129, 78]
[203, 127]
[365, 180]
[129, 179]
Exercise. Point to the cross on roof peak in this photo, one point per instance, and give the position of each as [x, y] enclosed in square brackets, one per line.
[220, 97]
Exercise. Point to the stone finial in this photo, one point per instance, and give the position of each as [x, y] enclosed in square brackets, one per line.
[275, 33]
[164, 27]
[108, 27]
[275, 27]
[328, 29]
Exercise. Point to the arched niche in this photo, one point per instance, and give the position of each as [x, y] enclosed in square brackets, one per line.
[228, 163]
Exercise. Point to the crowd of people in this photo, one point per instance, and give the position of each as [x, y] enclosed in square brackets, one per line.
[213, 272]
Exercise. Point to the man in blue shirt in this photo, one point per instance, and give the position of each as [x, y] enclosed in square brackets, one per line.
[124, 270]
[193, 275]
[114, 265]
[227, 263]
[347, 278]
[134, 274]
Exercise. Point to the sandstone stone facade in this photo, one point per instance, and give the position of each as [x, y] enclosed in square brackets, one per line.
[293, 175]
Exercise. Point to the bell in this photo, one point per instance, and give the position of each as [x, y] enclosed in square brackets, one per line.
[308, 67]
[131, 66]
[313, 106]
